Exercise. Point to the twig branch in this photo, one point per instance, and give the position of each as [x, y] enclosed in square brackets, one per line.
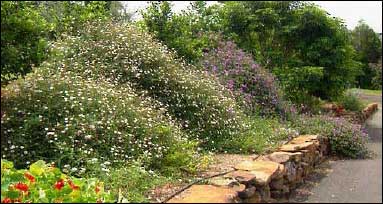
[197, 181]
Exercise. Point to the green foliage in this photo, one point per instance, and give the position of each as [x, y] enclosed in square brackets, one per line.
[322, 41]
[282, 36]
[128, 183]
[23, 38]
[264, 134]
[376, 81]
[346, 139]
[350, 102]
[78, 121]
[368, 47]
[27, 27]
[286, 35]
[69, 17]
[188, 32]
[46, 184]
[300, 83]
[366, 43]
[121, 54]
[261, 28]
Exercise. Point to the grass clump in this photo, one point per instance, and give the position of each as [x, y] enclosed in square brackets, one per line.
[350, 102]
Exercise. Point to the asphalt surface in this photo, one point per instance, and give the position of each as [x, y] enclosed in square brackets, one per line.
[354, 181]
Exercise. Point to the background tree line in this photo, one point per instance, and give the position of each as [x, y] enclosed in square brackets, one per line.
[310, 52]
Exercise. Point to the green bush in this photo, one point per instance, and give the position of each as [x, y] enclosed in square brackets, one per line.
[186, 32]
[72, 121]
[346, 139]
[46, 184]
[23, 39]
[121, 54]
[376, 82]
[300, 85]
[350, 101]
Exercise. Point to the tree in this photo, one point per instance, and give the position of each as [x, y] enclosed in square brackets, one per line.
[27, 26]
[188, 32]
[369, 51]
[23, 38]
[286, 35]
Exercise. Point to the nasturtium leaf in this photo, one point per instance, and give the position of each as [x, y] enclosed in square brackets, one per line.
[37, 168]
[5, 164]
[13, 194]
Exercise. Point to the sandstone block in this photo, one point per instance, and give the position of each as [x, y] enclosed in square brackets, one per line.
[297, 147]
[263, 170]
[243, 177]
[206, 194]
[256, 198]
[283, 157]
[247, 193]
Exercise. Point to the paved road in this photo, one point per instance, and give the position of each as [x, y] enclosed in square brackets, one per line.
[354, 181]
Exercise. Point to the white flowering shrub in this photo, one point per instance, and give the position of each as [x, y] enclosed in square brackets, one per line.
[74, 122]
[122, 54]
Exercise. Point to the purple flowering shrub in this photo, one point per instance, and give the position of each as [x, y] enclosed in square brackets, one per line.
[254, 87]
[346, 139]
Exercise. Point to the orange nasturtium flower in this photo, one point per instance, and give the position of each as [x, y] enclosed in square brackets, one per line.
[72, 185]
[6, 200]
[29, 177]
[97, 189]
[21, 186]
[59, 184]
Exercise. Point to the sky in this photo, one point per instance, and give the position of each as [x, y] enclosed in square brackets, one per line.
[350, 11]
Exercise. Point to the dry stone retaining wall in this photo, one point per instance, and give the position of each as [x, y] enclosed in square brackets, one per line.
[369, 110]
[266, 178]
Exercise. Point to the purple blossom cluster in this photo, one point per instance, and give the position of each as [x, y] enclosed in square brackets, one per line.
[346, 138]
[255, 88]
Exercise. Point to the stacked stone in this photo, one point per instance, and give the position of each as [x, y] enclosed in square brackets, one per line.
[268, 177]
[369, 110]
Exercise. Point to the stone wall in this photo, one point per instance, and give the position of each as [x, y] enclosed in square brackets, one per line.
[266, 178]
[369, 110]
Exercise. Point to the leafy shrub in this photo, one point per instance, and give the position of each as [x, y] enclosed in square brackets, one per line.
[186, 32]
[346, 139]
[121, 54]
[300, 84]
[376, 82]
[46, 184]
[350, 101]
[23, 38]
[77, 121]
[255, 88]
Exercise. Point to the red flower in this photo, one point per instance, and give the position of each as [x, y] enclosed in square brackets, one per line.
[59, 184]
[29, 177]
[6, 200]
[72, 185]
[21, 186]
[97, 189]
